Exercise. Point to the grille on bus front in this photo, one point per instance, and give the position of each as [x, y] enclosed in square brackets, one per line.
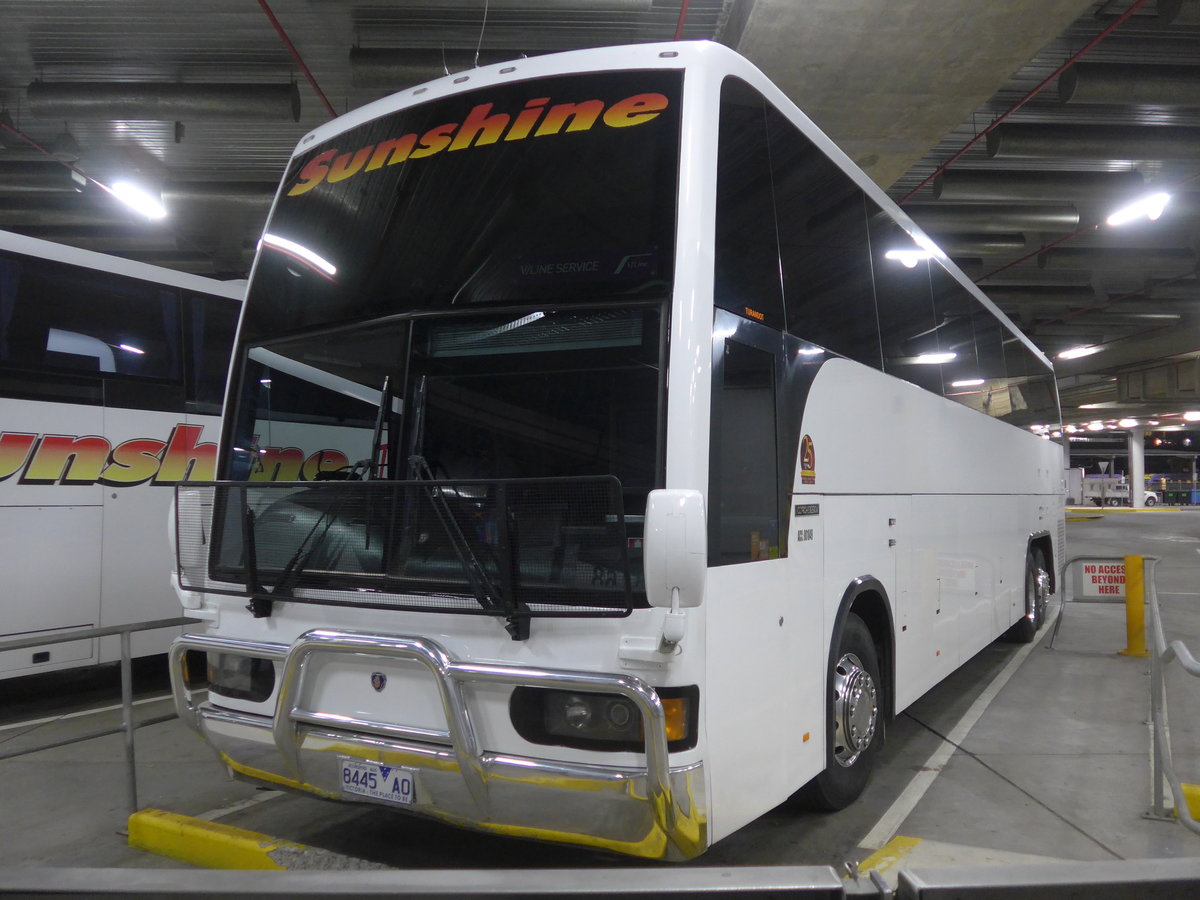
[527, 547]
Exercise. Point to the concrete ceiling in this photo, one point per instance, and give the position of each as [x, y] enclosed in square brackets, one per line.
[133, 86]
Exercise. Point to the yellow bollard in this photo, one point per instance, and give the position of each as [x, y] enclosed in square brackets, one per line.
[1135, 608]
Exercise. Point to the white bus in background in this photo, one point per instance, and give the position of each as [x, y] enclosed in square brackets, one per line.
[112, 376]
[692, 462]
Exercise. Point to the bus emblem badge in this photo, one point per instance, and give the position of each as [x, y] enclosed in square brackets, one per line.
[378, 681]
[808, 461]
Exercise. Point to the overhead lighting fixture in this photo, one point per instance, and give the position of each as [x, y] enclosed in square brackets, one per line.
[1128, 423]
[1150, 207]
[1077, 352]
[139, 199]
[1095, 426]
[1191, 416]
[908, 258]
[935, 359]
[301, 253]
[967, 382]
[129, 348]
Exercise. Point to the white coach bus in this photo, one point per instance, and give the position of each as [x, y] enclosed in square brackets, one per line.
[112, 377]
[691, 462]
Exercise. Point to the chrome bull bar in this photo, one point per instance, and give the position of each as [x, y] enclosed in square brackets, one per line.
[450, 676]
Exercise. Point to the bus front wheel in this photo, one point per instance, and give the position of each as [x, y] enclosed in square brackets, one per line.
[855, 730]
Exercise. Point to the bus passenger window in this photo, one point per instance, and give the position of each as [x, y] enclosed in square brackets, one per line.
[746, 276]
[743, 482]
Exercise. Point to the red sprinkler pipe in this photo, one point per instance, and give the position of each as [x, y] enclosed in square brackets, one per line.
[971, 143]
[683, 10]
[300, 60]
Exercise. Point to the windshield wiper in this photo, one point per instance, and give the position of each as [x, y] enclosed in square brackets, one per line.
[487, 593]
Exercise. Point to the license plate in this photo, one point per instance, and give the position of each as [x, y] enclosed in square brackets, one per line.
[367, 778]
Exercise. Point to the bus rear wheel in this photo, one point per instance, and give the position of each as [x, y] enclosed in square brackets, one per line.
[1037, 593]
[855, 729]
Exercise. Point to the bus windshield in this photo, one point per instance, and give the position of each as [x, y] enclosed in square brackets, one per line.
[555, 190]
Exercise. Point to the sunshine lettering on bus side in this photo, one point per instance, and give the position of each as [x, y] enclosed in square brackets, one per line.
[480, 127]
[92, 459]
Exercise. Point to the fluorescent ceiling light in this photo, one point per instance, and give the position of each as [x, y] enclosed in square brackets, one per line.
[935, 359]
[1150, 207]
[967, 382]
[139, 199]
[301, 253]
[1128, 423]
[1095, 426]
[1077, 352]
[129, 348]
[1191, 416]
[908, 258]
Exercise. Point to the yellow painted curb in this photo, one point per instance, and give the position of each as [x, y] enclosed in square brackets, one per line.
[204, 843]
[889, 855]
[1191, 793]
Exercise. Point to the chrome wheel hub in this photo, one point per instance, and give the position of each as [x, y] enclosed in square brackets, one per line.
[855, 709]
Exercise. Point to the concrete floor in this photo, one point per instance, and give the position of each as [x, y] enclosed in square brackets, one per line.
[1054, 766]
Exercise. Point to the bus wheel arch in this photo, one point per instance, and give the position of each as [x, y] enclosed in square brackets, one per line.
[1039, 585]
[859, 699]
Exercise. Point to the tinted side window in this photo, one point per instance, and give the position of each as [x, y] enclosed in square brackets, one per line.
[212, 322]
[743, 483]
[58, 318]
[747, 250]
[824, 249]
[904, 302]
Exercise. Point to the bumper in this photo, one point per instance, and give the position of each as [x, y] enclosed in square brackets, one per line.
[654, 812]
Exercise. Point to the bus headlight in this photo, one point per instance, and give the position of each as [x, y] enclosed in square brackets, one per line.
[241, 677]
[600, 721]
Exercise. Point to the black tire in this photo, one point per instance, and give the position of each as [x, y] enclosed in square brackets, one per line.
[1037, 590]
[854, 731]
[1151, 500]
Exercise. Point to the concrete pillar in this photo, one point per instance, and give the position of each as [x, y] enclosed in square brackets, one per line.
[1066, 447]
[1137, 467]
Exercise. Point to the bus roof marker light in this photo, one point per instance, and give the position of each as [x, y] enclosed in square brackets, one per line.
[300, 252]
[908, 258]
[1078, 352]
[1150, 207]
[935, 359]
[138, 198]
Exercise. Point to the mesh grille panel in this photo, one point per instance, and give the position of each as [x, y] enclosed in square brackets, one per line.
[500, 547]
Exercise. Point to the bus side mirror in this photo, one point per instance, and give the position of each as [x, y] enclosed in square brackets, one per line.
[675, 548]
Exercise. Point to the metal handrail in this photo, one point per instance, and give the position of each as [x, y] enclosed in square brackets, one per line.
[127, 723]
[1161, 655]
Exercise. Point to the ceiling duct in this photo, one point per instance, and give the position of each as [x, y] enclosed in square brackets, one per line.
[248, 196]
[397, 68]
[162, 101]
[1094, 141]
[1017, 294]
[1181, 289]
[1168, 259]
[979, 244]
[977, 184]
[1122, 85]
[38, 178]
[21, 213]
[941, 217]
[475, 6]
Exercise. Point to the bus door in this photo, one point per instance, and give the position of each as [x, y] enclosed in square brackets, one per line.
[760, 635]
